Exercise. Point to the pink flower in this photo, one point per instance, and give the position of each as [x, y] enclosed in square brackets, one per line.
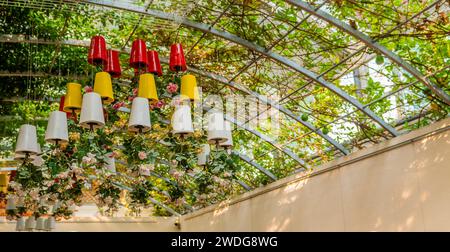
[135, 91]
[131, 98]
[142, 155]
[88, 89]
[172, 88]
[159, 104]
[118, 105]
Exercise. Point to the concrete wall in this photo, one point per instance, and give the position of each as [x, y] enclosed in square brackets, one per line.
[400, 185]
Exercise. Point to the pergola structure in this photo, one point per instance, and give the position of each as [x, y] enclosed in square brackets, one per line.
[298, 49]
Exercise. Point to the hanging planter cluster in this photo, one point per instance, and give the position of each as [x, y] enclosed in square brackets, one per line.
[89, 111]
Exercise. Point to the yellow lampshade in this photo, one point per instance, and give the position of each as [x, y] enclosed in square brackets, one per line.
[72, 100]
[189, 87]
[103, 87]
[147, 87]
[3, 182]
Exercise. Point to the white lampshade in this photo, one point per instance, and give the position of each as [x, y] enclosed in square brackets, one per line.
[110, 162]
[92, 111]
[40, 223]
[20, 225]
[216, 128]
[30, 223]
[27, 140]
[38, 161]
[229, 142]
[20, 202]
[11, 204]
[35, 158]
[21, 157]
[181, 120]
[57, 128]
[202, 157]
[50, 223]
[140, 115]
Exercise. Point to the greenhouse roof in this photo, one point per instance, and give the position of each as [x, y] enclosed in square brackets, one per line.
[339, 75]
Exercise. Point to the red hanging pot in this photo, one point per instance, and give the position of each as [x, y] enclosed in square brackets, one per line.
[97, 51]
[138, 55]
[154, 66]
[112, 65]
[177, 62]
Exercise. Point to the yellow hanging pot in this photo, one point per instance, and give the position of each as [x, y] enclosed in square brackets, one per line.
[3, 182]
[147, 87]
[189, 87]
[103, 87]
[72, 100]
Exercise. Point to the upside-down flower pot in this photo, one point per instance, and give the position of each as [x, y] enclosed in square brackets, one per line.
[21, 157]
[37, 159]
[139, 116]
[203, 156]
[57, 131]
[30, 223]
[3, 182]
[20, 225]
[154, 66]
[138, 54]
[40, 223]
[229, 142]
[110, 162]
[216, 128]
[103, 87]
[97, 51]
[177, 62]
[27, 140]
[11, 204]
[50, 223]
[147, 87]
[189, 88]
[112, 65]
[92, 111]
[181, 120]
[72, 100]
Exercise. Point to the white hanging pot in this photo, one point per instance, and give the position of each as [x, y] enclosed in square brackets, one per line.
[27, 140]
[21, 157]
[20, 225]
[38, 161]
[203, 156]
[56, 206]
[228, 133]
[20, 202]
[57, 128]
[181, 120]
[40, 223]
[92, 111]
[110, 162]
[50, 223]
[11, 204]
[216, 128]
[139, 116]
[30, 223]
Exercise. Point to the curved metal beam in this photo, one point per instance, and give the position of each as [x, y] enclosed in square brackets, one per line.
[248, 160]
[368, 41]
[269, 140]
[238, 40]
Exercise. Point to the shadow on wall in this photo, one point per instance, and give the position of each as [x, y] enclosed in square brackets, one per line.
[404, 189]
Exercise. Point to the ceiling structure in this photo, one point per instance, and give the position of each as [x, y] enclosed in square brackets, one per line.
[302, 58]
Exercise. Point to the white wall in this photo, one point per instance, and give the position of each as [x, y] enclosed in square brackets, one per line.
[400, 185]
